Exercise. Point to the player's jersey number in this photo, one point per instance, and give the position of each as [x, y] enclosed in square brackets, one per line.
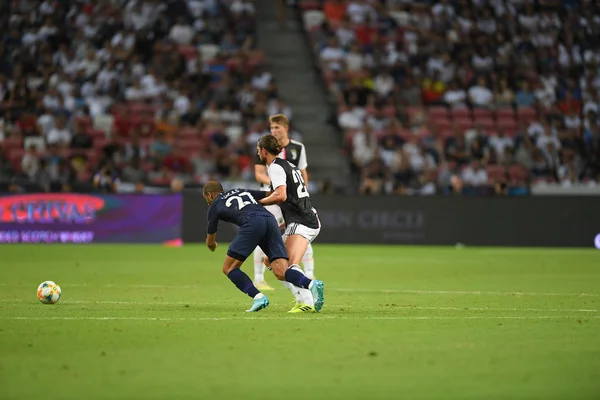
[302, 192]
[241, 203]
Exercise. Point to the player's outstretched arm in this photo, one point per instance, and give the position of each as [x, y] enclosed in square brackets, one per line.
[211, 241]
[279, 195]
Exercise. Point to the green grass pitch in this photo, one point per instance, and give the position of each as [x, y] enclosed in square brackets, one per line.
[149, 322]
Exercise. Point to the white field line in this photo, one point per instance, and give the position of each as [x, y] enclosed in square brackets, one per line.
[290, 318]
[336, 289]
[382, 307]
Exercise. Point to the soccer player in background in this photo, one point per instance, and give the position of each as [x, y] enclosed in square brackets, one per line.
[258, 227]
[302, 223]
[294, 152]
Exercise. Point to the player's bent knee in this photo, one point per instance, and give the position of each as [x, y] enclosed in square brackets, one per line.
[278, 267]
[230, 264]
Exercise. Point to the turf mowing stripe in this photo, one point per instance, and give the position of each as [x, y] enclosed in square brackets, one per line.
[174, 303]
[477, 292]
[359, 290]
[281, 318]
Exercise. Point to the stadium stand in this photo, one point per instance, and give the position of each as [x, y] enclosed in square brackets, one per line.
[145, 92]
[472, 97]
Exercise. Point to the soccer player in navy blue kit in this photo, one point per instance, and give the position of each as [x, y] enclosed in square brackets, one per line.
[258, 227]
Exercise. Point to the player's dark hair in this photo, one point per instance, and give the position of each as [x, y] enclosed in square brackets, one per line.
[270, 144]
[212, 187]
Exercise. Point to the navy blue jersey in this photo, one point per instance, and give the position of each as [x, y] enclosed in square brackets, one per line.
[235, 206]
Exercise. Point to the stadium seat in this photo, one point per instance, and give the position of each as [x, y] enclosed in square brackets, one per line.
[464, 123]
[505, 113]
[496, 173]
[12, 143]
[308, 5]
[508, 124]
[486, 123]
[482, 114]
[437, 113]
[518, 174]
[461, 113]
[442, 123]
[526, 114]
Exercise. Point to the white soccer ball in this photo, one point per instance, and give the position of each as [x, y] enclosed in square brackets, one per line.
[48, 292]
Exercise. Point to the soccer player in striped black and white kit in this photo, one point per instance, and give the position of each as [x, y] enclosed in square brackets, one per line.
[294, 152]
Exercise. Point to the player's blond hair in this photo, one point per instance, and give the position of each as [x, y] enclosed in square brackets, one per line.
[279, 119]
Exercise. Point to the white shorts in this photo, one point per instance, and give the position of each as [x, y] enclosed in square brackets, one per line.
[309, 234]
[276, 211]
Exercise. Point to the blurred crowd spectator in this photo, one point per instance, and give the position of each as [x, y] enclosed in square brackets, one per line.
[96, 94]
[471, 97]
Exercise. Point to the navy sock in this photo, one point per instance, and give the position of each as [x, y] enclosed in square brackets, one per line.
[243, 282]
[297, 278]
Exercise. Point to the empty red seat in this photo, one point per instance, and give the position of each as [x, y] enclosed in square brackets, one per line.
[464, 123]
[486, 123]
[461, 113]
[310, 5]
[12, 143]
[526, 114]
[437, 112]
[496, 173]
[442, 124]
[505, 113]
[482, 113]
[518, 173]
[508, 124]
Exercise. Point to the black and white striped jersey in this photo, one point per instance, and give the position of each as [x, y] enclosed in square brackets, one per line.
[298, 206]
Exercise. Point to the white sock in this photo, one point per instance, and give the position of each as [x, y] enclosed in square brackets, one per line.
[259, 266]
[308, 262]
[295, 291]
[304, 295]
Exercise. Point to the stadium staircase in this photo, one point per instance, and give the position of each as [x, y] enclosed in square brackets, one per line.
[291, 63]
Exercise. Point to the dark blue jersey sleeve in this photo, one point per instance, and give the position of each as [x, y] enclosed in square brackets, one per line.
[257, 194]
[213, 219]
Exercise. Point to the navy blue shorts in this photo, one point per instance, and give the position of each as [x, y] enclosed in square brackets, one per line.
[259, 230]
